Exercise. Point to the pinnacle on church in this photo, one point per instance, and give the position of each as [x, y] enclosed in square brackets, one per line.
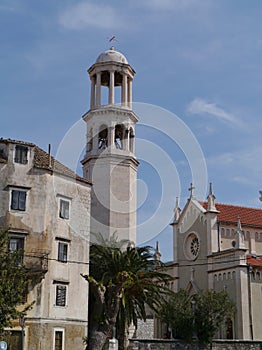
[240, 235]
[157, 252]
[177, 211]
[211, 205]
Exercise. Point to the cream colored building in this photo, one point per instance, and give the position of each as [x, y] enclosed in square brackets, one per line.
[110, 161]
[219, 247]
[46, 207]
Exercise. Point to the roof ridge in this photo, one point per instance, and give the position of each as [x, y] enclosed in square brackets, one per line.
[234, 205]
[41, 160]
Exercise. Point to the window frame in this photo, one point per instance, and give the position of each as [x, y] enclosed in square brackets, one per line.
[18, 237]
[64, 209]
[21, 154]
[19, 203]
[59, 287]
[62, 251]
[60, 330]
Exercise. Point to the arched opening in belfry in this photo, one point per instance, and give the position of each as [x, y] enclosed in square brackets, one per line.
[131, 140]
[103, 137]
[118, 87]
[111, 88]
[119, 136]
[105, 78]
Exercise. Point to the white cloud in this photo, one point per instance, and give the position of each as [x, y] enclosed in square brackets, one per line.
[200, 106]
[85, 15]
[243, 166]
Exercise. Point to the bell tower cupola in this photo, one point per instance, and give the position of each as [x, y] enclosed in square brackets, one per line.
[112, 71]
[110, 161]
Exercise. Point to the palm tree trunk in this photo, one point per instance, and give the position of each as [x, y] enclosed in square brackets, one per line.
[97, 340]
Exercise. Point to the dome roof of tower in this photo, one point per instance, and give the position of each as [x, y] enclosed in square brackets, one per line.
[111, 56]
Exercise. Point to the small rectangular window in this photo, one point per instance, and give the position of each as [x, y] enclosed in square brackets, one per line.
[21, 154]
[60, 295]
[59, 340]
[64, 209]
[18, 200]
[62, 251]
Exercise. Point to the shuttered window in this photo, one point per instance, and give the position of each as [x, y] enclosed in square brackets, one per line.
[60, 295]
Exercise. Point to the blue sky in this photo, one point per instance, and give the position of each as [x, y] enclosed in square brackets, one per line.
[200, 60]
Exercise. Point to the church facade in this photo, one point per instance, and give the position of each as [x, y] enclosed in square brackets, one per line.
[219, 247]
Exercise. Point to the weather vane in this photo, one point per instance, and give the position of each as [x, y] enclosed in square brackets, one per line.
[260, 192]
[112, 38]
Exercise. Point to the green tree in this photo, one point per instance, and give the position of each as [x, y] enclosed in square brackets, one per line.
[13, 282]
[122, 282]
[210, 310]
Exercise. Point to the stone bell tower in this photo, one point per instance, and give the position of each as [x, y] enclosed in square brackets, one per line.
[110, 161]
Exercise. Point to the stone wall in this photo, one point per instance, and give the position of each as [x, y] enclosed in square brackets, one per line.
[159, 344]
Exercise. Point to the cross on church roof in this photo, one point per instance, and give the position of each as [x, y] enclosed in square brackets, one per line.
[191, 189]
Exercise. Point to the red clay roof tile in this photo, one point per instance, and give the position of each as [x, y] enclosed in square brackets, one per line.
[254, 260]
[230, 213]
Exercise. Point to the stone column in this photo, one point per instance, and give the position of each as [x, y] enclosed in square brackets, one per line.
[111, 96]
[130, 93]
[111, 137]
[124, 90]
[93, 87]
[98, 89]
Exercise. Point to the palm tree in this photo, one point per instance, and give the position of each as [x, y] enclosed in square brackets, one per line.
[122, 282]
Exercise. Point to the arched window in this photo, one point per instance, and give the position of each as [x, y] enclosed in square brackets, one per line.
[119, 136]
[103, 137]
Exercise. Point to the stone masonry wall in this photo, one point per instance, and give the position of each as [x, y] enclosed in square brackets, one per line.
[159, 344]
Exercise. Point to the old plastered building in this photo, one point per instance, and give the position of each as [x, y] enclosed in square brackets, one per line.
[110, 161]
[219, 247]
[45, 207]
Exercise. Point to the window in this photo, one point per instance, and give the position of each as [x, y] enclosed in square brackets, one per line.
[62, 251]
[21, 154]
[64, 209]
[59, 339]
[18, 200]
[17, 244]
[60, 295]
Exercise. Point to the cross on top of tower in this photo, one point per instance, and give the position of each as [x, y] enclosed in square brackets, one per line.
[191, 189]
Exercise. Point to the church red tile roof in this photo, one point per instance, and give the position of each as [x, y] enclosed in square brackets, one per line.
[230, 213]
[254, 260]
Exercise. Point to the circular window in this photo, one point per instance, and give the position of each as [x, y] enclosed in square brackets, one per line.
[192, 246]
